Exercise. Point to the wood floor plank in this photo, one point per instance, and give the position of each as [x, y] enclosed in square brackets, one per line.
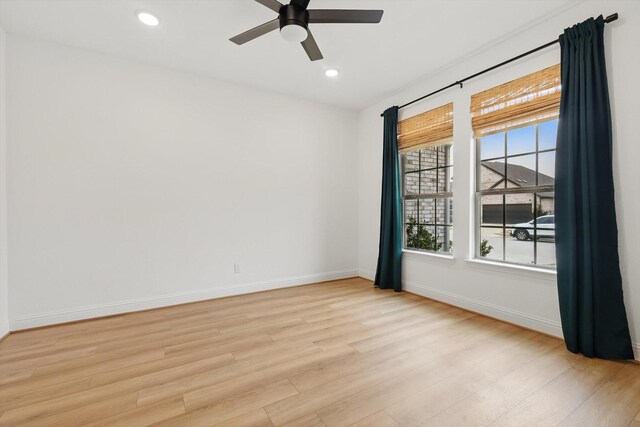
[144, 416]
[47, 403]
[73, 416]
[332, 354]
[209, 357]
[32, 363]
[203, 396]
[477, 375]
[187, 383]
[231, 407]
[8, 376]
[614, 404]
[33, 394]
[379, 419]
[551, 404]
[434, 369]
[330, 397]
[481, 408]
[256, 418]
[94, 363]
[310, 420]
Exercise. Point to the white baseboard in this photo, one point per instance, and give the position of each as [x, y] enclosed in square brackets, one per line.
[4, 330]
[508, 315]
[81, 313]
[371, 275]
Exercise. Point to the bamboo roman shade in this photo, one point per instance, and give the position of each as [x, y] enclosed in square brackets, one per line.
[527, 100]
[428, 128]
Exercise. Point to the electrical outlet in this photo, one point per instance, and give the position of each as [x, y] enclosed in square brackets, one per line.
[236, 267]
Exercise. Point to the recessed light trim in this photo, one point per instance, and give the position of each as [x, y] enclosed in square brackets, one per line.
[331, 72]
[147, 18]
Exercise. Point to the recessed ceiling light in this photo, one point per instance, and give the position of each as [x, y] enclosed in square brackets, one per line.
[331, 72]
[147, 18]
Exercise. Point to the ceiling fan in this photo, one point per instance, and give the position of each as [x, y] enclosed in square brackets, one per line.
[294, 19]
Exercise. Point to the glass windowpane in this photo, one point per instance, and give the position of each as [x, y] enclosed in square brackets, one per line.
[427, 211]
[410, 211]
[519, 251]
[411, 184]
[428, 157]
[492, 209]
[491, 243]
[492, 175]
[444, 211]
[428, 181]
[492, 146]
[521, 171]
[546, 168]
[521, 140]
[411, 161]
[547, 133]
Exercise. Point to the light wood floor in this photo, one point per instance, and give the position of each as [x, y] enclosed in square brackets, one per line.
[333, 354]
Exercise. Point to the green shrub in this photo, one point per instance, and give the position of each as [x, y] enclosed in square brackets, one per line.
[420, 238]
[539, 211]
[485, 248]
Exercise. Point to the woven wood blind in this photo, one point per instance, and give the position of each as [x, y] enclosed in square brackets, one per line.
[428, 128]
[527, 100]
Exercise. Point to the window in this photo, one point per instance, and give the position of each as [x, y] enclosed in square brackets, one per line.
[515, 126]
[427, 164]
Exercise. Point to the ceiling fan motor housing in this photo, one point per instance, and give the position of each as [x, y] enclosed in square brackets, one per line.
[293, 15]
[293, 20]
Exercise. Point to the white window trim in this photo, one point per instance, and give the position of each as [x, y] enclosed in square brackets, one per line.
[421, 255]
[514, 269]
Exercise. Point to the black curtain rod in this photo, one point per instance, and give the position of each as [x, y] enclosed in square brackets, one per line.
[607, 20]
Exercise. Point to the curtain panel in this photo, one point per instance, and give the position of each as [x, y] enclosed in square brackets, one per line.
[388, 271]
[594, 320]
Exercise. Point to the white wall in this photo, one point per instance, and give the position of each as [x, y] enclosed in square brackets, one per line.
[4, 288]
[134, 186]
[524, 297]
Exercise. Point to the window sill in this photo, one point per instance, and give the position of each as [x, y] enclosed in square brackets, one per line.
[519, 270]
[449, 259]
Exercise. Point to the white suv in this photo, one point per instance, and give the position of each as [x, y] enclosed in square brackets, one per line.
[546, 228]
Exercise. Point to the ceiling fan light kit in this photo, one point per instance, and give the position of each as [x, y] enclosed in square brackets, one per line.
[294, 19]
[293, 23]
[294, 33]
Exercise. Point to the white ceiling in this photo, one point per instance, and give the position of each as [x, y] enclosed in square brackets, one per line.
[414, 38]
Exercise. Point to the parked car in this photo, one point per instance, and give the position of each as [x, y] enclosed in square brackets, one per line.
[545, 228]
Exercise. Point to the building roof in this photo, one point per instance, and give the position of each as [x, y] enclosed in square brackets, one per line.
[519, 175]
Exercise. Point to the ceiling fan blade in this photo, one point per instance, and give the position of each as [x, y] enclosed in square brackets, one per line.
[302, 3]
[274, 5]
[258, 31]
[344, 16]
[311, 47]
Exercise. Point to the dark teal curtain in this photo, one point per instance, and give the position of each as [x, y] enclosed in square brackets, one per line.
[594, 321]
[388, 272]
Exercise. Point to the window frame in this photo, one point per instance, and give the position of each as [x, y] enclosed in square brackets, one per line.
[505, 191]
[446, 195]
